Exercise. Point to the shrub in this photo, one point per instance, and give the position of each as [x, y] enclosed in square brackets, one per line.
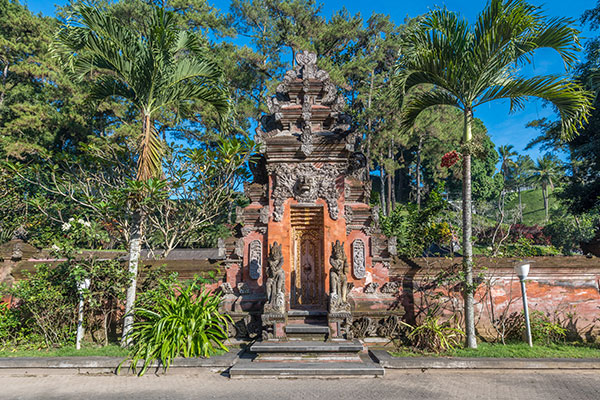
[46, 306]
[568, 231]
[543, 330]
[181, 325]
[433, 335]
[535, 234]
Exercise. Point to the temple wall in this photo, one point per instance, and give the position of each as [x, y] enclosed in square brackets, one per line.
[565, 288]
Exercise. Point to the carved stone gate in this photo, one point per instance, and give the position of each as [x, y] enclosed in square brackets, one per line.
[308, 239]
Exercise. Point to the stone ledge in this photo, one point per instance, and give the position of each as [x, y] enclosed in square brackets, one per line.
[388, 361]
[104, 364]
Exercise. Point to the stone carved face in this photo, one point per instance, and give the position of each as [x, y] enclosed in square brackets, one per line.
[338, 250]
[306, 188]
[275, 253]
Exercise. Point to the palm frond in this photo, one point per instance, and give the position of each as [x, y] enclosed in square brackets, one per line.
[419, 101]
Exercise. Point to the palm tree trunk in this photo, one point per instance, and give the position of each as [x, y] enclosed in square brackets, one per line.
[520, 204]
[418, 168]
[135, 247]
[382, 190]
[545, 196]
[390, 201]
[467, 232]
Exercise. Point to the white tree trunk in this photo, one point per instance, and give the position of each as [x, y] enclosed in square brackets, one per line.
[467, 233]
[135, 247]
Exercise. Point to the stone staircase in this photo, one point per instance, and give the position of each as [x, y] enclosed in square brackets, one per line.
[307, 351]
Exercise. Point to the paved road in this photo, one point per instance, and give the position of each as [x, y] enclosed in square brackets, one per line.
[397, 385]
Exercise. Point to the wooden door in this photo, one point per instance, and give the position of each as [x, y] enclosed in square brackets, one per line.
[307, 275]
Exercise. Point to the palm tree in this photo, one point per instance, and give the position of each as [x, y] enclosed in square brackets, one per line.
[546, 171]
[466, 66]
[156, 69]
[521, 170]
[506, 153]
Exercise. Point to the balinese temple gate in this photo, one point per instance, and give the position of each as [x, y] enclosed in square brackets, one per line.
[308, 244]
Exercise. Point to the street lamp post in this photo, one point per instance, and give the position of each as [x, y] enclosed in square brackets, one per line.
[522, 271]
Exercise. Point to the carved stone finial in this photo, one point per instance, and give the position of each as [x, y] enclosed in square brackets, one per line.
[19, 234]
[255, 257]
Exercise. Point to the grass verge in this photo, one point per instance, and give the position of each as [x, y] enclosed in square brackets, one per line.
[513, 350]
[111, 350]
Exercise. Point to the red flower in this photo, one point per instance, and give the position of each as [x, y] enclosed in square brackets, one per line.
[450, 158]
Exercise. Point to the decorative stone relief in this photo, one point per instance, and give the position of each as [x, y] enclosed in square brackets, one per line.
[370, 288]
[390, 287]
[364, 327]
[226, 288]
[392, 247]
[243, 288]
[338, 288]
[306, 183]
[275, 281]
[358, 259]
[348, 214]
[255, 259]
[264, 215]
[239, 248]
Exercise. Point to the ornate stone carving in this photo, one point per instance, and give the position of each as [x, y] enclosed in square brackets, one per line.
[357, 164]
[243, 288]
[370, 288]
[390, 287]
[306, 183]
[359, 269]
[375, 215]
[239, 248]
[389, 327]
[338, 281]
[275, 281]
[348, 214]
[258, 167]
[391, 246]
[264, 215]
[255, 259]
[364, 327]
[226, 288]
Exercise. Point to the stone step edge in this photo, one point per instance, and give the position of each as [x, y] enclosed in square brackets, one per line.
[306, 347]
[386, 360]
[283, 369]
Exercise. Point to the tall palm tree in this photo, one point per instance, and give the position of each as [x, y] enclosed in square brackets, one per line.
[545, 173]
[466, 66]
[506, 153]
[158, 68]
[522, 170]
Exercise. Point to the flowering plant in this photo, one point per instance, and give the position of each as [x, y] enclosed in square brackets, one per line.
[450, 158]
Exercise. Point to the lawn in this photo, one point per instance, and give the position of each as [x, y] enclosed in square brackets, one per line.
[112, 350]
[533, 206]
[514, 350]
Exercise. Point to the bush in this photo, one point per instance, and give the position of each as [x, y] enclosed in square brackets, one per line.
[543, 330]
[534, 234]
[568, 231]
[185, 325]
[45, 309]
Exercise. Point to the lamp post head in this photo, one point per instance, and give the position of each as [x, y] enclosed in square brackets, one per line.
[522, 270]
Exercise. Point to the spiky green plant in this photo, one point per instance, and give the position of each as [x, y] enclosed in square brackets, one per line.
[434, 335]
[181, 325]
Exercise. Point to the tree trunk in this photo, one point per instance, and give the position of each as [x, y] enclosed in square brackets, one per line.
[369, 126]
[382, 190]
[135, 247]
[520, 204]
[389, 203]
[418, 167]
[467, 233]
[4, 75]
[545, 196]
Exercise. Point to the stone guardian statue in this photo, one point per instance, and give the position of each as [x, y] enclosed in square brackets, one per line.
[275, 280]
[338, 281]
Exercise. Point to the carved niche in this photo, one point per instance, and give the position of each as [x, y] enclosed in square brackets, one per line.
[305, 183]
[358, 259]
[255, 259]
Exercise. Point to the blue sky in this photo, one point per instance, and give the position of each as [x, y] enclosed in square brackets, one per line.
[504, 128]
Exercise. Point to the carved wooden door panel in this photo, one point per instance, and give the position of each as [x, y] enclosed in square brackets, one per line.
[307, 277]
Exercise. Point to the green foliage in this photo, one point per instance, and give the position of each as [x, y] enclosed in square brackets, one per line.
[517, 350]
[567, 231]
[186, 324]
[435, 336]
[46, 307]
[416, 229]
[545, 331]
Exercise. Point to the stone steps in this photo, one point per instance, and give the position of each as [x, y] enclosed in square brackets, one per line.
[291, 370]
[306, 346]
[308, 329]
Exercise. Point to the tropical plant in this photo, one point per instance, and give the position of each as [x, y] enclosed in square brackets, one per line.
[466, 66]
[186, 324]
[433, 335]
[521, 172]
[506, 153]
[157, 69]
[546, 172]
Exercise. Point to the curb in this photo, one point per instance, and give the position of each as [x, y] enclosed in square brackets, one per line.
[105, 365]
[422, 363]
